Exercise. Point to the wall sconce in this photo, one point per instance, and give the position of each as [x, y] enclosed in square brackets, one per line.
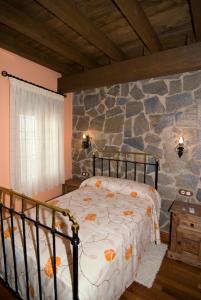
[86, 141]
[180, 147]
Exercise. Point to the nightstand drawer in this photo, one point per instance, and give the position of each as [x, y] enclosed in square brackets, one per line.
[190, 224]
[188, 242]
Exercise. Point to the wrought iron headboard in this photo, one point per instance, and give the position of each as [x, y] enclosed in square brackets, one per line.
[136, 159]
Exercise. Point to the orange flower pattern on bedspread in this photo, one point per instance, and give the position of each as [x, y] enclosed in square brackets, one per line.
[117, 219]
[149, 211]
[90, 217]
[110, 195]
[8, 232]
[109, 254]
[128, 252]
[87, 199]
[133, 194]
[48, 269]
[128, 213]
[98, 183]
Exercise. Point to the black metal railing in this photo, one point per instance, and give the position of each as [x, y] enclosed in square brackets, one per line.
[124, 160]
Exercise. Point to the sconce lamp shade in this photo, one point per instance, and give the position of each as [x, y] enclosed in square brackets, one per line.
[85, 141]
[180, 147]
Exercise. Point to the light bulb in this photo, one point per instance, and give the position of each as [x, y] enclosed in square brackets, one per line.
[181, 140]
[84, 136]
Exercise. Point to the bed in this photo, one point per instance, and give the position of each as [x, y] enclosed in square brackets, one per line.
[117, 217]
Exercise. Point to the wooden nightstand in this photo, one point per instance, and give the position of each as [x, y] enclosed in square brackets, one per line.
[71, 185]
[185, 234]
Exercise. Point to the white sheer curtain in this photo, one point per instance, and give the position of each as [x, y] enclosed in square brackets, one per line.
[36, 138]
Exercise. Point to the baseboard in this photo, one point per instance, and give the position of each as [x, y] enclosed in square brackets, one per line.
[164, 237]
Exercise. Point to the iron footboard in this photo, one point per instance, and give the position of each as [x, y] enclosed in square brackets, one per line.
[8, 210]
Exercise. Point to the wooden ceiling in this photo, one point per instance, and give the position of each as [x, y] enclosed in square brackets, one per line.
[75, 36]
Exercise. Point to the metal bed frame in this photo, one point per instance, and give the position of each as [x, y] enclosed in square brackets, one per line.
[7, 210]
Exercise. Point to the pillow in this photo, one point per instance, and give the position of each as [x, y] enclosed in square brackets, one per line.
[124, 186]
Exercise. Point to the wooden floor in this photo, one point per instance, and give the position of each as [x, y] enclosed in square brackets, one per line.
[175, 280]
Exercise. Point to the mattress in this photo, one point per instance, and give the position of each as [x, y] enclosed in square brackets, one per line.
[117, 218]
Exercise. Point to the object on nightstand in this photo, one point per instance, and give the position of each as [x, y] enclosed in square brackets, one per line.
[71, 185]
[185, 238]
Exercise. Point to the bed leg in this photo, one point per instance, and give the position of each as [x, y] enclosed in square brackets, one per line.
[75, 242]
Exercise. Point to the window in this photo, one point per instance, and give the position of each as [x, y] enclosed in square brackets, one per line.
[37, 141]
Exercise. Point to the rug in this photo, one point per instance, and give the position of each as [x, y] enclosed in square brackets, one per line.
[150, 264]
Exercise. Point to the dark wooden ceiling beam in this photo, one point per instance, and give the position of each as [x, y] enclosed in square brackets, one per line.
[68, 12]
[39, 32]
[10, 43]
[173, 61]
[195, 6]
[137, 18]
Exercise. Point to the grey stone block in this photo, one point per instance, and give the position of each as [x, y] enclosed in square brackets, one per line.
[83, 123]
[136, 142]
[114, 124]
[156, 87]
[114, 111]
[178, 101]
[92, 113]
[114, 90]
[78, 110]
[122, 101]
[153, 105]
[97, 123]
[159, 122]
[175, 87]
[136, 93]
[154, 150]
[164, 179]
[90, 101]
[110, 102]
[117, 140]
[192, 81]
[128, 128]
[152, 138]
[101, 108]
[141, 125]
[133, 108]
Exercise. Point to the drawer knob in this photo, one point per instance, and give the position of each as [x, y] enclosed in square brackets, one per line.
[179, 242]
[192, 225]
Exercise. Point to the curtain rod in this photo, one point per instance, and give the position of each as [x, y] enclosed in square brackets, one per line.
[6, 74]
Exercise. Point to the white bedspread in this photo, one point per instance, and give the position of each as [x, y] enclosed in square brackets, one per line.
[117, 218]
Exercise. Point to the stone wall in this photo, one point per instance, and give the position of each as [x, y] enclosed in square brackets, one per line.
[148, 115]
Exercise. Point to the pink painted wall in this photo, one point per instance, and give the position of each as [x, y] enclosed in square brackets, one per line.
[38, 74]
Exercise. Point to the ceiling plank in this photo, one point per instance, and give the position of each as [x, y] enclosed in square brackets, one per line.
[173, 61]
[137, 18]
[68, 12]
[39, 32]
[10, 43]
[195, 6]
